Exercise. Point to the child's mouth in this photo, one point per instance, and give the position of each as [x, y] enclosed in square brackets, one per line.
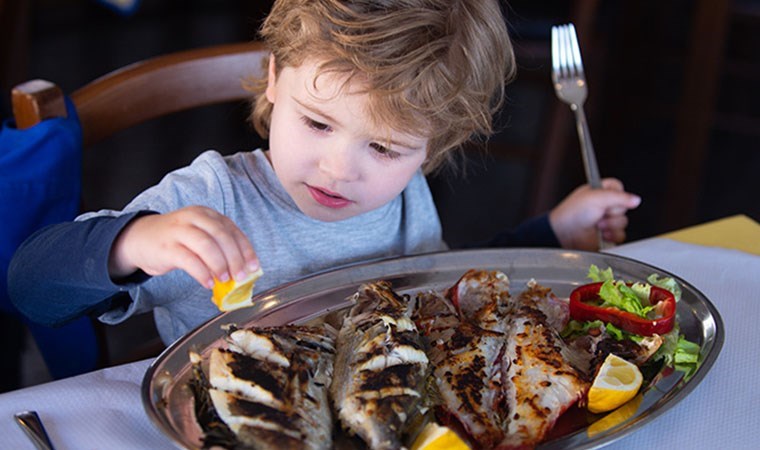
[328, 198]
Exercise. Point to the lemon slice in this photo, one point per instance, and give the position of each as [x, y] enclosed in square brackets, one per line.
[616, 417]
[435, 437]
[234, 294]
[616, 383]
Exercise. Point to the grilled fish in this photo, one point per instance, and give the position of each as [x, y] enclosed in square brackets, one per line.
[499, 362]
[270, 387]
[380, 368]
[463, 358]
[542, 382]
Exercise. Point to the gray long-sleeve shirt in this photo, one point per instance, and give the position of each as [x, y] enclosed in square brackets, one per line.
[289, 244]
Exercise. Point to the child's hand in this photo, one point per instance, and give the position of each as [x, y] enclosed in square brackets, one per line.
[576, 219]
[196, 239]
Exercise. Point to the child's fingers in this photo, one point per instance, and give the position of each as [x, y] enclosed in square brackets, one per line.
[618, 203]
[234, 246]
[246, 249]
[615, 199]
[612, 184]
[232, 256]
[613, 228]
[249, 254]
[196, 239]
[234, 263]
[206, 248]
[189, 261]
[615, 236]
[611, 223]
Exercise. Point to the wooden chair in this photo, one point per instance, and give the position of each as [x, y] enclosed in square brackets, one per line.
[145, 90]
[141, 92]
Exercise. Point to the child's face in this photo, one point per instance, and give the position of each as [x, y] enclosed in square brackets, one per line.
[332, 160]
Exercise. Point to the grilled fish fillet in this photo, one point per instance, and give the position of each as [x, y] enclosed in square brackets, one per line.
[463, 357]
[380, 368]
[498, 361]
[271, 386]
[542, 383]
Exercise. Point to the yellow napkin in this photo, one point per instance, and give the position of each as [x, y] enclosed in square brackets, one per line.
[736, 232]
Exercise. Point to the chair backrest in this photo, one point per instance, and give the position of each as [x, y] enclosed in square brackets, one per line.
[146, 90]
[124, 98]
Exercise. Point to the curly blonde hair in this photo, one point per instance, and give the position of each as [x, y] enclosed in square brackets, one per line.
[435, 68]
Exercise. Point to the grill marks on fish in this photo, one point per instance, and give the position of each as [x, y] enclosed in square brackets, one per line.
[499, 369]
[380, 367]
[462, 356]
[543, 384]
[271, 386]
[247, 377]
[249, 419]
[499, 362]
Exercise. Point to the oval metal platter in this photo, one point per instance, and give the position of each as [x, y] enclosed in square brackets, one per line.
[169, 402]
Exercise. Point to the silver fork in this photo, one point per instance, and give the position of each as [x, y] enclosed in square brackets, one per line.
[570, 85]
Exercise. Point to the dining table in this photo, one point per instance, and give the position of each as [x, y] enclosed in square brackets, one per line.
[104, 409]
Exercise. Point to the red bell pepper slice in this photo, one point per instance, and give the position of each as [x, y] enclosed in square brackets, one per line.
[582, 310]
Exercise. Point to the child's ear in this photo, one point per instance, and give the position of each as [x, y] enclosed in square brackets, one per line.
[271, 80]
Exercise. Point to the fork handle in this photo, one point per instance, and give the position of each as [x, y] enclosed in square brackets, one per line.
[30, 422]
[587, 149]
[589, 162]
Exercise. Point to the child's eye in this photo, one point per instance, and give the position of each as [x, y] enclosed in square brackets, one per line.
[384, 151]
[314, 125]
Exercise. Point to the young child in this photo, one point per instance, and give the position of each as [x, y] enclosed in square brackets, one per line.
[362, 98]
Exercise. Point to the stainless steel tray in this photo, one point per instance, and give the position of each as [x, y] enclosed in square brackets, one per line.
[169, 403]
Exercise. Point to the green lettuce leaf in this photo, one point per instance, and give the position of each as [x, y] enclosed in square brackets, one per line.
[686, 357]
[575, 327]
[666, 283]
[595, 274]
[675, 351]
[667, 350]
[619, 295]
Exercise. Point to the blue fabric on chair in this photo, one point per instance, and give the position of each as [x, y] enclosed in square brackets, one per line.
[40, 184]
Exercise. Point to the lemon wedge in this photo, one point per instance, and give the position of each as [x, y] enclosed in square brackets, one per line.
[616, 417]
[438, 437]
[616, 383]
[234, 294]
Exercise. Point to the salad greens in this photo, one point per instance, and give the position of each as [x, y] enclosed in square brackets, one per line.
[675, 351]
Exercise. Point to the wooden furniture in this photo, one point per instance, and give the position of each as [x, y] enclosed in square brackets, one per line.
[716, 58]
[693, 121]
[146, 90]
[140, 92]
[682, 115]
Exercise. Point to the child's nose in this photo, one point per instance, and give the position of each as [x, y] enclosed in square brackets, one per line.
[340, 163]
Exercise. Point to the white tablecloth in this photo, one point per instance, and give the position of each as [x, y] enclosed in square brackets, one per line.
[723, 412]
[103, 409]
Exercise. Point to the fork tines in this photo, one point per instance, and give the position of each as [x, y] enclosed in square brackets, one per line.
[566, 54]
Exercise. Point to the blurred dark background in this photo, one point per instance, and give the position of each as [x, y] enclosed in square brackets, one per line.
[672, 106]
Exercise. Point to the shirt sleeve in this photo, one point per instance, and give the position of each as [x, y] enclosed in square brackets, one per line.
[535, 232]
[60, 272]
